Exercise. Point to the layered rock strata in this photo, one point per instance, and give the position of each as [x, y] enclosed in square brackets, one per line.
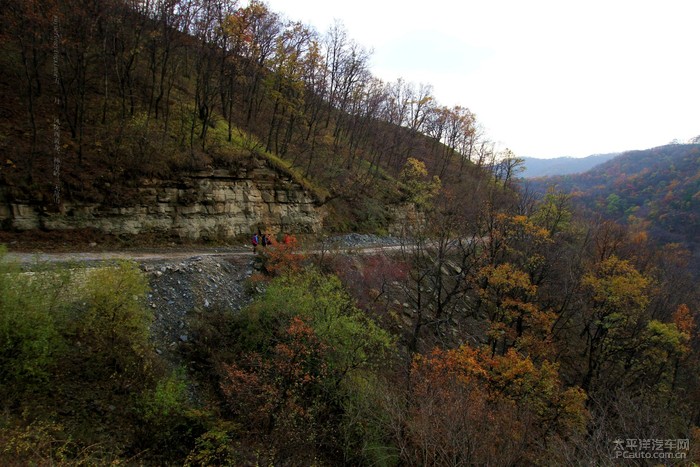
[216, 204]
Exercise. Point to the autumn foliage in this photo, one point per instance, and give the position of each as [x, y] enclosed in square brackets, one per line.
[283, 257]
[467, 406]
[282, 396]
[507, 329]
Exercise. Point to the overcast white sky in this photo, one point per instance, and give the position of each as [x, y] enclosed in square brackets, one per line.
[546, 78]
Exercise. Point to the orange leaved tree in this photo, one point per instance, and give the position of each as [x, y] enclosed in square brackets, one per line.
[466, 406]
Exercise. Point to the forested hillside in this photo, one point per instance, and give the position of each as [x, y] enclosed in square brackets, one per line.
[101, 95]
[656, 191]
[501, 328]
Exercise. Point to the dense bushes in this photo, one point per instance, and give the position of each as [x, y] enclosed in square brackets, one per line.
[532, 366]
[296, 369]
[29, 339]
[292, 378]
[80, 380]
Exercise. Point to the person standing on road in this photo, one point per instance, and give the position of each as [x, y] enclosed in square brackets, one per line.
[255, 240]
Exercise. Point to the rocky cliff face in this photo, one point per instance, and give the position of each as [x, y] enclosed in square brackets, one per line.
[217, 204]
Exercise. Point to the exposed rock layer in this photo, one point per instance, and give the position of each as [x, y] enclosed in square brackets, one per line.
[219, 204]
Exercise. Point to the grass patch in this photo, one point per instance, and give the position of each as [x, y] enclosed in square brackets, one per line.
[243, 142]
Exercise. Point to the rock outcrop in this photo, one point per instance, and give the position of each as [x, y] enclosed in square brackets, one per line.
[216, 204]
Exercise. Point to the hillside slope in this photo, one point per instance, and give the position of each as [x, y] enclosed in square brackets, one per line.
[134, 91]
[658, 189]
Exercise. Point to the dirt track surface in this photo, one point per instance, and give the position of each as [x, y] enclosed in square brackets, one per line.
[138, 255]
[355, 243]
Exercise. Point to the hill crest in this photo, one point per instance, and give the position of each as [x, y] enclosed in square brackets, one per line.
[537, 167]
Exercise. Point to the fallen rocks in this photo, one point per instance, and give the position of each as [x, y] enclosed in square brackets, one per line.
[179, 288]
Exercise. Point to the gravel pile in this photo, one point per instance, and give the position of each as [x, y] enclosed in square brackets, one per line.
[198, 283]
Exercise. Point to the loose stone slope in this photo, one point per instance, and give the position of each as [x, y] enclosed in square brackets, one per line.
[201, 283]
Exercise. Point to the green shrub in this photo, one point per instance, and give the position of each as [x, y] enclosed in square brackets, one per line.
[364, 434]
[167, 399]
[168, 426]
[38, 443]
[217, 447]
[29, 339]
[356, 340]
[49, 443]
[304, 371]
[112, 323]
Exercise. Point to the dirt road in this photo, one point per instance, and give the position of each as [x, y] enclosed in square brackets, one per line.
[137, 255]
[355, 243]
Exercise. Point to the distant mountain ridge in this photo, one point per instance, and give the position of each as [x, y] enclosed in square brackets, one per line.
[536, 167]
[659, 187]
